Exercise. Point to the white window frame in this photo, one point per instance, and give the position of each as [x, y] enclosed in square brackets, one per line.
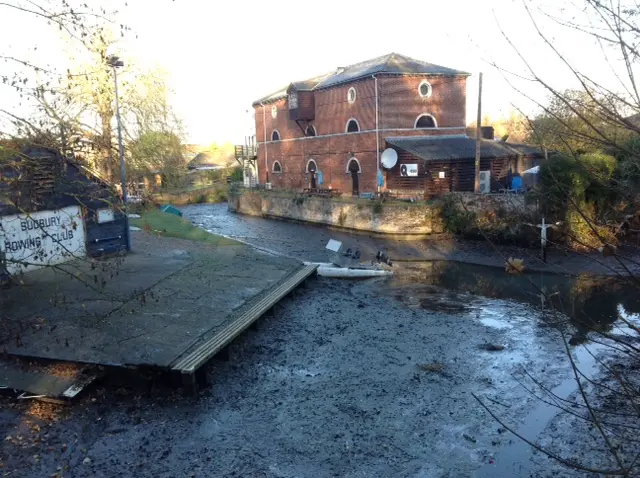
[355, 95]
[279, 137]
[430, 92]
[353, 158]
[314, 130]
[273, 167]
[346, 126]
[274, 111]
[306, 169]
[435, 122]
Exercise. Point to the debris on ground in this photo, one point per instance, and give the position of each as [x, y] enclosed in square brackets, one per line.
[492, 347]
[469, 438]
[514, 266]
[171, 210]
[431, 367]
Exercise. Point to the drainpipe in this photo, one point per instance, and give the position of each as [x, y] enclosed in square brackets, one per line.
[264, 128]
[375, 79]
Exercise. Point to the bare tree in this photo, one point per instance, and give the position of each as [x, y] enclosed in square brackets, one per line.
[595, 127]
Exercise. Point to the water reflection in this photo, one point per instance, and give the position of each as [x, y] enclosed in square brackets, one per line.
[589, 302]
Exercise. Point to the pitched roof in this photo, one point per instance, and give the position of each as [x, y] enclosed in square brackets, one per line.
[433, 148]
[391, 64]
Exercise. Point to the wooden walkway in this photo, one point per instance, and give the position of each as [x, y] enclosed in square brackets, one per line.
[191, 362]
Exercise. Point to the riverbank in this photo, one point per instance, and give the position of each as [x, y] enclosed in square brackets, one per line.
[305, 241]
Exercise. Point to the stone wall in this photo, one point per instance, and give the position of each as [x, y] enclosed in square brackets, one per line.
[400, 218]
[403, 219]
[210, 194]
[509, 203]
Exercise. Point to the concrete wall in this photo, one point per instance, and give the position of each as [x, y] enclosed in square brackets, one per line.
[370, 216]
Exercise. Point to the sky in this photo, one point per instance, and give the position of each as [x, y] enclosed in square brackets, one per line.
[221, 56]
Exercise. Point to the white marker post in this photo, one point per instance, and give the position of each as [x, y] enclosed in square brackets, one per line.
[543, 238]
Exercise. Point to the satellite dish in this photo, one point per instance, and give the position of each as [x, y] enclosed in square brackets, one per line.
[389, 158]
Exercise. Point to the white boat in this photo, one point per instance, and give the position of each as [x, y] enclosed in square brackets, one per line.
[328, 269]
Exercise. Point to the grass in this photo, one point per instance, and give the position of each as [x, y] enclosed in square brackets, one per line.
[170, 225]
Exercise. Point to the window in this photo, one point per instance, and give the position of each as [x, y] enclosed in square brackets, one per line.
[310, 131]
[275, 136]
[353, 166]
[351, 95]
[312, 167]
[352, 126]
[425, 121]
[277, 168]
[274, 111]
[424, 89]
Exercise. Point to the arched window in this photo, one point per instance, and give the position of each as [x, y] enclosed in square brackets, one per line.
[352, 126]
[353, 166]
[277, 167]
[424, 90]
[310, 130]
[425, 121]
[312, 167]
[275, 135]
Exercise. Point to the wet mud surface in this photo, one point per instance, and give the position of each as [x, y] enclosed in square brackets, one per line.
[374, 378]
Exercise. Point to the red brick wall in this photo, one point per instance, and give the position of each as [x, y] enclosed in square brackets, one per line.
[287, 129]
[333, 109]
[400, 104]
[398, 100]
[331, 154]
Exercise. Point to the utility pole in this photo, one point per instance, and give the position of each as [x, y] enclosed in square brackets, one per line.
[476, 186]
[115, 63]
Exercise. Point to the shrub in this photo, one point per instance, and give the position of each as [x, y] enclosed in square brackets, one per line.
[455, 219]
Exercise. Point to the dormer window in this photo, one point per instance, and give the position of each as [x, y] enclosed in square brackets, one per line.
[293, 101]
[425, 89]
[352, 126]
[274, 111]
[351, 95]
[275, 135]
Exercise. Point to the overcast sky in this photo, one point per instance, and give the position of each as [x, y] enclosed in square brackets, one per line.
[220, 56]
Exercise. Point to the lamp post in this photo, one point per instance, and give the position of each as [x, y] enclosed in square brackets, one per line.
[114, 62]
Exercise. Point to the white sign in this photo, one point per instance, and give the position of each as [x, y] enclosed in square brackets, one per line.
[32, 241]
[334, 245]
[409, 170]
[105, 215]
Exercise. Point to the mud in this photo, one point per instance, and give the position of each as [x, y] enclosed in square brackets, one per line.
[371, 378]
[330, 385]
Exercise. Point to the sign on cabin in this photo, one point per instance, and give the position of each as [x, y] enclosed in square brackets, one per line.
[409, 170]
[43, 238]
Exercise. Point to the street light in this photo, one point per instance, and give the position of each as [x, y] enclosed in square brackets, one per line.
[114, 62]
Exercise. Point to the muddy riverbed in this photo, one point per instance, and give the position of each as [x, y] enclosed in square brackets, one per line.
[374, 378]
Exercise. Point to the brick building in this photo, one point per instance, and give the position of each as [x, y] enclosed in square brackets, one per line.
[329, 131]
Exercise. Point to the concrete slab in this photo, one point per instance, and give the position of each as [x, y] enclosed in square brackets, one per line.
[147, 308]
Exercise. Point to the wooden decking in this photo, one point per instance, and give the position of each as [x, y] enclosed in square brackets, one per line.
[191, 362]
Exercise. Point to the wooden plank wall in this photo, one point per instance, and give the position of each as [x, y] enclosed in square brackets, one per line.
[459, 174]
